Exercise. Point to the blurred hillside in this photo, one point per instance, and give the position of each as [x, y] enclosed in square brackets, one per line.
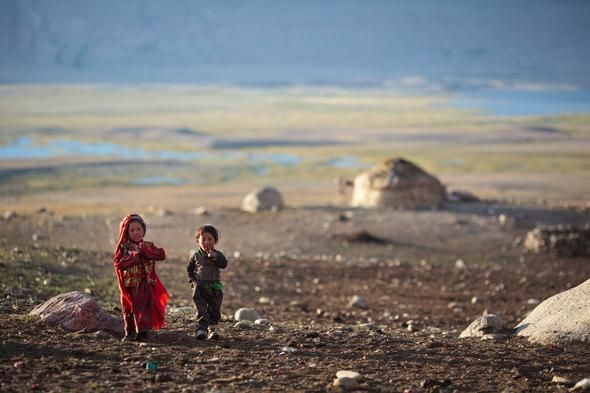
[453, 45]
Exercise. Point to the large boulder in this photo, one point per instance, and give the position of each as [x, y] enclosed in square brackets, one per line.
[561, 319]
[267, 198]
[399, 184]
[76, 311]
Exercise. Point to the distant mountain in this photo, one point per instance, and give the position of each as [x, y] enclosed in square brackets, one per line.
[452, 43]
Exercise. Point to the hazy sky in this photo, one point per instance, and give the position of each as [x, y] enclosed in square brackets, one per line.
[455, 43]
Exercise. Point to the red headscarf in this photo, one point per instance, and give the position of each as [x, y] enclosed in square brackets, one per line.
[159, 292]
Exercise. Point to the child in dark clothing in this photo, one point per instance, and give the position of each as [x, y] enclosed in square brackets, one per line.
[203, 274]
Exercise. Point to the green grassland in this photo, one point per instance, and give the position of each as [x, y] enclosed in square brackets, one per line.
[365, 125]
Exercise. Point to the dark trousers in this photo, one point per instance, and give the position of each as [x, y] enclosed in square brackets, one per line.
[208, 303]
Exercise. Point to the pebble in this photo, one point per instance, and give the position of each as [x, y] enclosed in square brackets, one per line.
[264, 300]
[561, 380]
[9, 215]
[237, 254]
[358, 302]
[533, 302]
[201, 211]
[347, 379]
[246, 314]
[459, 264]
[262, 321]
[242, 325]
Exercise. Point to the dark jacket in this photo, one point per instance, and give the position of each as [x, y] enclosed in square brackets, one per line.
[204, 268]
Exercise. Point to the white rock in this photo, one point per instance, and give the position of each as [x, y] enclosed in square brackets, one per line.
[583, 385]
[267, 198]
[264, 300]
[237, 254]
[459, 264]
[77, 311]
[486, 324]
[348, 374]
[562, 319]
[201, 211]
[357, 301]
[9, 215]
[347, 379]
[242, 325]
[533, 302]
[561, 380]
[246, 314]
[262, 321]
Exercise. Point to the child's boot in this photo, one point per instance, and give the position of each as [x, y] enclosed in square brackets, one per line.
[213, 332]
[201, 334]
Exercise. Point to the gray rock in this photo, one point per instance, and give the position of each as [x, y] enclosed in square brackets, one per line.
[246, 314]
[77, 311]
[9, 215]
[358, 302]
[561, 319]
[267, 198]
[486, 324]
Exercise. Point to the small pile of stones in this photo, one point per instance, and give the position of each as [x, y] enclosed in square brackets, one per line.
[560, 240]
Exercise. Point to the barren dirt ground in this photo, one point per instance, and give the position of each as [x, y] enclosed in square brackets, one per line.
[307, 262]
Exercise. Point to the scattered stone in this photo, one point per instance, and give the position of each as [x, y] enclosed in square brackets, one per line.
[347, 379]
[486, 324]
[246, 314]
[561, 319]
[237, 254]
[559, 240]
[201, 211]
[264, 300]
[9, 215]
[502, 219]
[582, 386]
[262, 322]
[533, 302]
[460, 264]
[77, 311]
[562, 381]
[358, 302]
[242, 325]
[398, 183]
[35, 237]
[267, 198]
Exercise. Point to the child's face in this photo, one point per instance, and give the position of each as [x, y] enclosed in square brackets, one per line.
[135, 232]
[206, 241]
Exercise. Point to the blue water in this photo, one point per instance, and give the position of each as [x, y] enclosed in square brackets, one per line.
[525, 103]
[23, 147]
[158, 180]
[344, 162]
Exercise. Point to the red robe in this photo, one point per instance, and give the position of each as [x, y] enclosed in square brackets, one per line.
[143, 296]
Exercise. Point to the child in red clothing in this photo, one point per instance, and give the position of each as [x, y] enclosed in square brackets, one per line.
[143, 296]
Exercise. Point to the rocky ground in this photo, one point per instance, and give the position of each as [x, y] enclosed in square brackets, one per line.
[300, 269]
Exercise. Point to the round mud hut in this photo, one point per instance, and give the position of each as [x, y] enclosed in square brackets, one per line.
[398, 184]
